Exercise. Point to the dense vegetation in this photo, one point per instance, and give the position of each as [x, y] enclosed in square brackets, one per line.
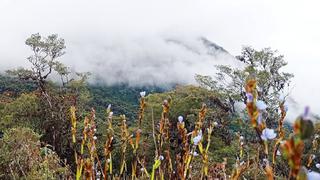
[230, 127]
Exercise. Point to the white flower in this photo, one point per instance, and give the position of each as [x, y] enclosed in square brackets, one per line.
[261, 105]
[95, 137]
[316, 136]
[109, 107]
[268, 134]
[161, 157]
[95, 130]
[246, 73]
[313, 175]
[215, 123]
[180, 119]
[143, 94]
[141, 169]
[108, 160]
[278, 153]
[197, 139]
[313, 156]
[242, 163]
[241, 143]
[318, 165]
[241, 138]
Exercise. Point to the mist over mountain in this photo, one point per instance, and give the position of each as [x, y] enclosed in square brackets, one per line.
[149, 61]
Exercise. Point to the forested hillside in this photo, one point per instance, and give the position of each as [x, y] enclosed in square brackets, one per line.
[231, 126]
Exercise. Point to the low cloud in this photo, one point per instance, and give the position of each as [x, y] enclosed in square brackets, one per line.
[157, 60]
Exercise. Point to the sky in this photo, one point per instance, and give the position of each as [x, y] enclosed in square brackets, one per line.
[125, 38]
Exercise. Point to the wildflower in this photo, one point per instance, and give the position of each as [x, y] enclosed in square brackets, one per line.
[95, 137]
[261, 105]
[313, 156]
[241, 143]
[180, 119]
[249, 97]
[161, 157]
[313, 175]
[286, 107]
[241, 138]
[278, 153]
[268, 134]
[306, 113]
[143, 94]
[109, 107]
[195, 153]
[142, 169]
[110, 114]
[242, 163]
[197, 139]
[318, 165]
[246, 73]
[316, 136]
[260, 119]
[108, 160]
[215, 124]
[95, 130]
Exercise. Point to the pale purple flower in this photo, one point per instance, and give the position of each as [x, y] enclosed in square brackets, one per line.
[306, 113]
[180, 119]
[195, 154]
[143, 94]
[161, 157]
[260, 118]
[261, 105]
[313, 175]
[286, 108]
[278, 153]
[197, 139]
[110, 114]
[318, 165]
[249, 97]
[268, 134]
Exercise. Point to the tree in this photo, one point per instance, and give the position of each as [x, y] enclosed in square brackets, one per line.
[53, 102]
[44, 60]
[265, 65]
